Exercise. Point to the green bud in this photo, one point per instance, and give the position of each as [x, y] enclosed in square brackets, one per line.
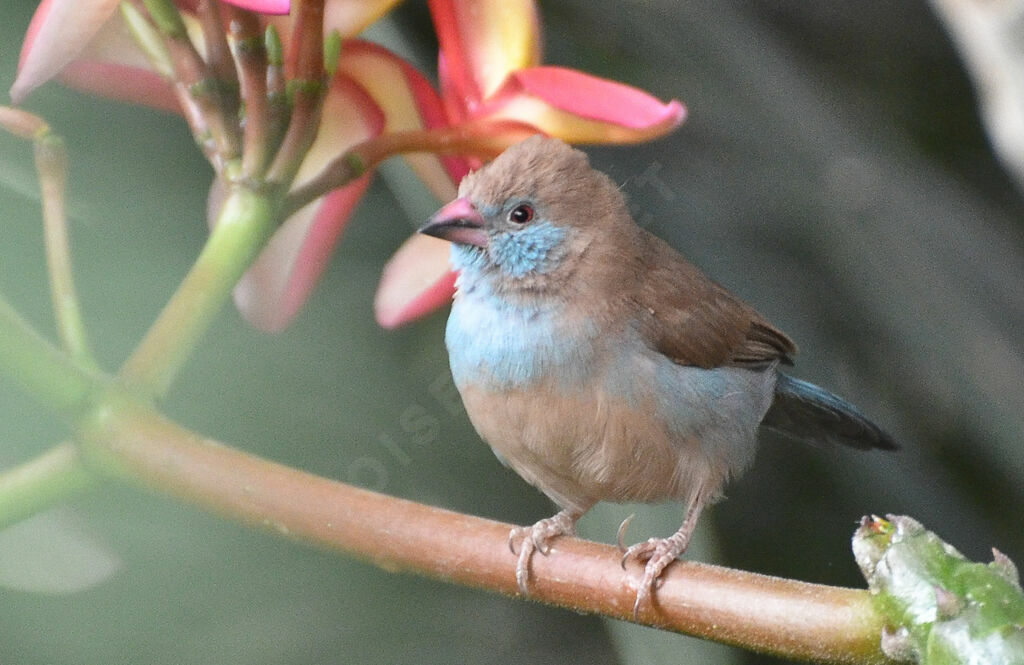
[332, 53]
[275, 51]
[167, 18]
[940, 608]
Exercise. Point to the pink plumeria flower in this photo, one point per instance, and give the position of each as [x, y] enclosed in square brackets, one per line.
[490, 69]
[87, 46]
[62, 30]
[490, 73]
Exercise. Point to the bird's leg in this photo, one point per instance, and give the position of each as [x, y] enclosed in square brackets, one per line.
[537, 537]
[659, 552]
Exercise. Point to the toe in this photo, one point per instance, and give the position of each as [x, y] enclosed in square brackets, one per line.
[514, 535]
[641, 551]
[523, 566]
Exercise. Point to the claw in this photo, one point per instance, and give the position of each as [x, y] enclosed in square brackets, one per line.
[642, 595]
[512, 536]
[645, 592]
[523, 566]
[620, 535]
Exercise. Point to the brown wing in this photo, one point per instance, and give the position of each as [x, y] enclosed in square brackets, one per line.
[694, 321]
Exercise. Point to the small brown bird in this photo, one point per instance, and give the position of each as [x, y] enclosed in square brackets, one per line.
[602, 366]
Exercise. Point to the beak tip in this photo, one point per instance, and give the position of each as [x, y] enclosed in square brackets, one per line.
[457, 222]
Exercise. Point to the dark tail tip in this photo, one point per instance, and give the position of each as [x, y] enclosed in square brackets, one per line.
[804, 411]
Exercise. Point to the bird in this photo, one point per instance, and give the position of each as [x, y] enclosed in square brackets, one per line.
[601, 365]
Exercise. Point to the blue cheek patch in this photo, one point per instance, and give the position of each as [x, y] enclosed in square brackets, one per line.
[467, 258]
[535, 249]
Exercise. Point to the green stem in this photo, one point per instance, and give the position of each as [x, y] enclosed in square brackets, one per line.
[51, 164]
[43, 482]
[148, 39]
[242, 228]
[40, 368]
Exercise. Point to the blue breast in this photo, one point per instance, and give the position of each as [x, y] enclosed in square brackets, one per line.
[499, 344]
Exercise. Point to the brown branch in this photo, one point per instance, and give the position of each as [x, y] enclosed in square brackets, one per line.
[250, 56]
[784, 617]
[485, 139]
[308, 86]
[200, 92]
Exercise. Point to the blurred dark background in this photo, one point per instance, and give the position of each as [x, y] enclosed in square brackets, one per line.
[833, 172]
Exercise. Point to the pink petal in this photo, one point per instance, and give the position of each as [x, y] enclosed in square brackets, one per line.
[403, 93]
[482, 42]
[581, 108]
[416, 281]
[273, 291]
[263, 6]
[111, 65]
[350, 17]
[409, 102]
[122, 83]
[59, 30]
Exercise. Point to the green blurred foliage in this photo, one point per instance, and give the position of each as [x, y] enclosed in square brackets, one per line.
[832, 173]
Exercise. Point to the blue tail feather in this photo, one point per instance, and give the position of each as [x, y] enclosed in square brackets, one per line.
[806, 412]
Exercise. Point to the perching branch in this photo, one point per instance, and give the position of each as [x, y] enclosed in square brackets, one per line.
[117, 434]
[784, 617]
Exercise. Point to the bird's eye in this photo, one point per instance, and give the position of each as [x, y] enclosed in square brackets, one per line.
[521, 214]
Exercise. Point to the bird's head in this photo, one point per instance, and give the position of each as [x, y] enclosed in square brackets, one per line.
[528, 220]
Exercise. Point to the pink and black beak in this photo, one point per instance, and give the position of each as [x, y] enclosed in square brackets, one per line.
[457, 222]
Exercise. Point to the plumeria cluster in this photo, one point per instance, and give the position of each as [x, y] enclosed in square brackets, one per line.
[285, 97]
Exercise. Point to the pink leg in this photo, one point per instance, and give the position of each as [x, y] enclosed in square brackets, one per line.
[660, 552]
[537, 537]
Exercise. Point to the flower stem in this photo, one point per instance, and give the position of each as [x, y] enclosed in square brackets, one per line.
[208, 103]
[42, 482]
[51, 164]
[783, 617]
[483, 139]
[245, 38]
[242, 228]
[307, 87]
[40, 368]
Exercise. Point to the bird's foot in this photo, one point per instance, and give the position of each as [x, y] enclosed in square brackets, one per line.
[658, 553]
[538, 538]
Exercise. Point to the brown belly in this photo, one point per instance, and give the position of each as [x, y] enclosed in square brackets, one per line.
[583, 447]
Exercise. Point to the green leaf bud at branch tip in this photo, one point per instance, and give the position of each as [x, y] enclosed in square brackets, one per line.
[332, 53]
[356, 162]
[940, 608]
[304, 87]
[167, 18]
[275, 50]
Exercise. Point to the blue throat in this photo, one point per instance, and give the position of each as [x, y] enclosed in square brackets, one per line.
[511, 343]
[534, 250]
